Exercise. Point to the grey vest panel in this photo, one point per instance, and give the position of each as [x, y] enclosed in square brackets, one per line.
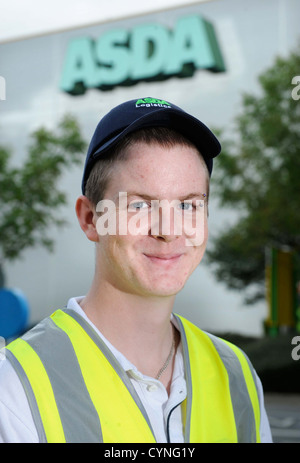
[241, 402]
[72, 397]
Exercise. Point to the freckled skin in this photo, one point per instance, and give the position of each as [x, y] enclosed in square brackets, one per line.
[127, 262]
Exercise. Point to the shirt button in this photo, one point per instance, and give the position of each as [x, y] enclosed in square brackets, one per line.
[151, 387]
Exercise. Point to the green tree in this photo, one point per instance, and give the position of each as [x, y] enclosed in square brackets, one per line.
[258, 175]
[29, 194]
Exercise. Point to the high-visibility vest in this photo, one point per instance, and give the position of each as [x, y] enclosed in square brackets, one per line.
[78, 392]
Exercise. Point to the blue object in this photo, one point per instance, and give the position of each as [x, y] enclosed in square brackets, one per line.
[14, 312]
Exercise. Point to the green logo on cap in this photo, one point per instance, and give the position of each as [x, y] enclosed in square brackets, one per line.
[152, 102]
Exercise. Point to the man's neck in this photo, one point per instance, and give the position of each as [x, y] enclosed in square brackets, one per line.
[137, 326]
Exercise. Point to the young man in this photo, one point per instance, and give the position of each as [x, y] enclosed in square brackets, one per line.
[117, 365]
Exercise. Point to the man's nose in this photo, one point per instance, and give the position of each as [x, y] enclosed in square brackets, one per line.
[166, 222]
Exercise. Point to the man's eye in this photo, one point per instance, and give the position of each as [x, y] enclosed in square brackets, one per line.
[137, 206]
[186, 206]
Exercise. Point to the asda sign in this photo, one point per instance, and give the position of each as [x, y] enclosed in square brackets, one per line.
[146, 52]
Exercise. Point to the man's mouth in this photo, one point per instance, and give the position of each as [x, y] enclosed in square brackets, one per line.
[163, 258]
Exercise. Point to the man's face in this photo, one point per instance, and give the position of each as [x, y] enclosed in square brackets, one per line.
[158, 260]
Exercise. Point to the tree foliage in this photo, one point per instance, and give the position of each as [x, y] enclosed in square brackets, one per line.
[30, 194]
[258, 175]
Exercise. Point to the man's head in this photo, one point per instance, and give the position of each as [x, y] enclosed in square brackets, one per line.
[165, 179]
[133, 115]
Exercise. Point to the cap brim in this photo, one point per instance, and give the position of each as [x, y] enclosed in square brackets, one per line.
[192, 128]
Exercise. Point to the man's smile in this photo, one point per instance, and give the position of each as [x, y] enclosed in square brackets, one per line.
[164, 259]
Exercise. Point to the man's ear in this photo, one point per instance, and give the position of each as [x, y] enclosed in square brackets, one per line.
[87, 217]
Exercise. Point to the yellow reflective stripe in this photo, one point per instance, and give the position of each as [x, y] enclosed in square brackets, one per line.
[213, 392]
[110, 396]
[212, 418]
[251, 387]
[39, 382]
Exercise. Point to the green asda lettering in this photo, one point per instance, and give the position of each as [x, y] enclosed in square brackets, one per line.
[152, 102]
[147, 52]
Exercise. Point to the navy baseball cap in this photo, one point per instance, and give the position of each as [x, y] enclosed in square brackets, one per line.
[148, 112]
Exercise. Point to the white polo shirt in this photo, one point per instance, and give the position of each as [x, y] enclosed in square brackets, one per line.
[16, 423]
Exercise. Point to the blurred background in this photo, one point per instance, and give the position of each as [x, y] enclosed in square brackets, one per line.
[233, 64]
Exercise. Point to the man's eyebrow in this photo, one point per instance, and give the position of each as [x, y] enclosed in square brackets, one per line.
[193, 195]
[182, 198]
[140, 195]
[129, 194]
